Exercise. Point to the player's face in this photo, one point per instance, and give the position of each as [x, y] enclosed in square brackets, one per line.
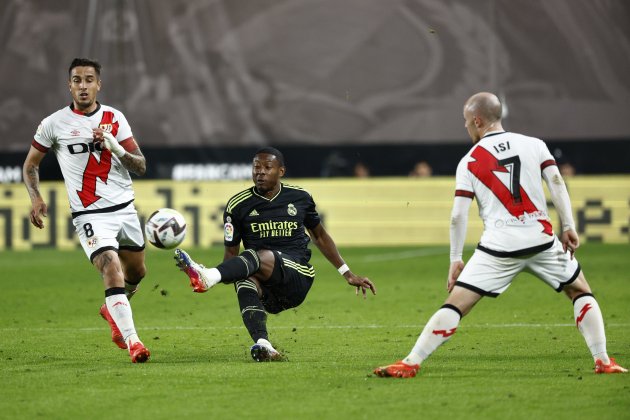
[84, 84]
[471, 126]
[266, 173]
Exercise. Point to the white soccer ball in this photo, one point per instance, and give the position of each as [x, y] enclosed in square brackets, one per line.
[165, 228]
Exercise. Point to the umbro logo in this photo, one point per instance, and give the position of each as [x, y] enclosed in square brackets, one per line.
[75, 133]
[254, 213]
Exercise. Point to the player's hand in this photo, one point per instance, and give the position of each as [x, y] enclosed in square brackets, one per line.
[570, 241]
[361, 283]
[453, 273]
[109, 142]
[38, 211]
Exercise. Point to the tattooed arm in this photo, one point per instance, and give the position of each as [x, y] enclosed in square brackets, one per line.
[127, 151]
[30, 173]
[134, 161]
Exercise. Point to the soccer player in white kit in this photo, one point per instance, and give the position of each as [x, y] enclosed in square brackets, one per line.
[96, 151]
[504, 172]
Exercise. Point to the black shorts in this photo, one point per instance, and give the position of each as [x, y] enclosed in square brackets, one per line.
[289, 284]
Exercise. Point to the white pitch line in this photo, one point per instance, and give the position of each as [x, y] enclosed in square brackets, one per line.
[314, 327]
[404, 255]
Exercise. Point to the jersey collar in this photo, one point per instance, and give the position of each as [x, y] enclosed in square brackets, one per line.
[493, 133]
[76, 111]
[265, 198]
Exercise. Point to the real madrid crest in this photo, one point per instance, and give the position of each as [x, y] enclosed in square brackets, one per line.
[291, 210]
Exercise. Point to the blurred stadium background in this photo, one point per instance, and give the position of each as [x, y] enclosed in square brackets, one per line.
[332, 84]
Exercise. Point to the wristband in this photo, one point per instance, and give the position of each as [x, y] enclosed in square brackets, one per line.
[112, 144]
[343, 269]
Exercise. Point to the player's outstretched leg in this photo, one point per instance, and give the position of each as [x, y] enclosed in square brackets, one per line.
[117, 336]
[201, 278]
[438, 330]
[590, 322]
[263, 351]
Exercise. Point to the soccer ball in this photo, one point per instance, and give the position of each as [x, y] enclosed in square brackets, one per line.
[165, 228]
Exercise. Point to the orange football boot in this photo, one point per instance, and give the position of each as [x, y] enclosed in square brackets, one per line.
[397, 370]
[612, 367]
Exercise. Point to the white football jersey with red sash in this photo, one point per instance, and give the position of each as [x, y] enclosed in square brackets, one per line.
[95, 179]
[503, 171]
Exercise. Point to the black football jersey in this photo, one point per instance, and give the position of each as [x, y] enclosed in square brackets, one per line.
[277, 224]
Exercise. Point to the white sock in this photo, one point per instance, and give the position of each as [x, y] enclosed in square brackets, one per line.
[264, 342]
[589, 320]
[438, 330]
[120, 310]
[212, 276]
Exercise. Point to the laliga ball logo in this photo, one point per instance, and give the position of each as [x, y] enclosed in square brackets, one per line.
[165, 228]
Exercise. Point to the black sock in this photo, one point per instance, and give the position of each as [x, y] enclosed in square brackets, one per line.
[252, 311]
[240, 267]
[114, 291]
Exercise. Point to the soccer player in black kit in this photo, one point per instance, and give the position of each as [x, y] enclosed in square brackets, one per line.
[273, 272]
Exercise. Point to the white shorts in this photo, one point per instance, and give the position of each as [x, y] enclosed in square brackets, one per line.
[489, 275]
[114, 230]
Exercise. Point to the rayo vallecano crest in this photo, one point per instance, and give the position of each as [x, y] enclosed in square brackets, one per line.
[92, 242]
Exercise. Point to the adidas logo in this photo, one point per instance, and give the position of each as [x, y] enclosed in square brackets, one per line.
[254, 213]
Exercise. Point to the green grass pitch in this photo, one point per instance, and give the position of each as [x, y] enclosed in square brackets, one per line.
[515, 357]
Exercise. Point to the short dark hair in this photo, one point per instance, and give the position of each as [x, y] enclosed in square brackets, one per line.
[271, 151]
[85, 62]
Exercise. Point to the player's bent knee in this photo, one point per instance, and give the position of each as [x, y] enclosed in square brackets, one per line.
[463, 299]
[577, 287]
[572, 293]
[266, 256]
[251, 259]
[246, 285]
[135, 274]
